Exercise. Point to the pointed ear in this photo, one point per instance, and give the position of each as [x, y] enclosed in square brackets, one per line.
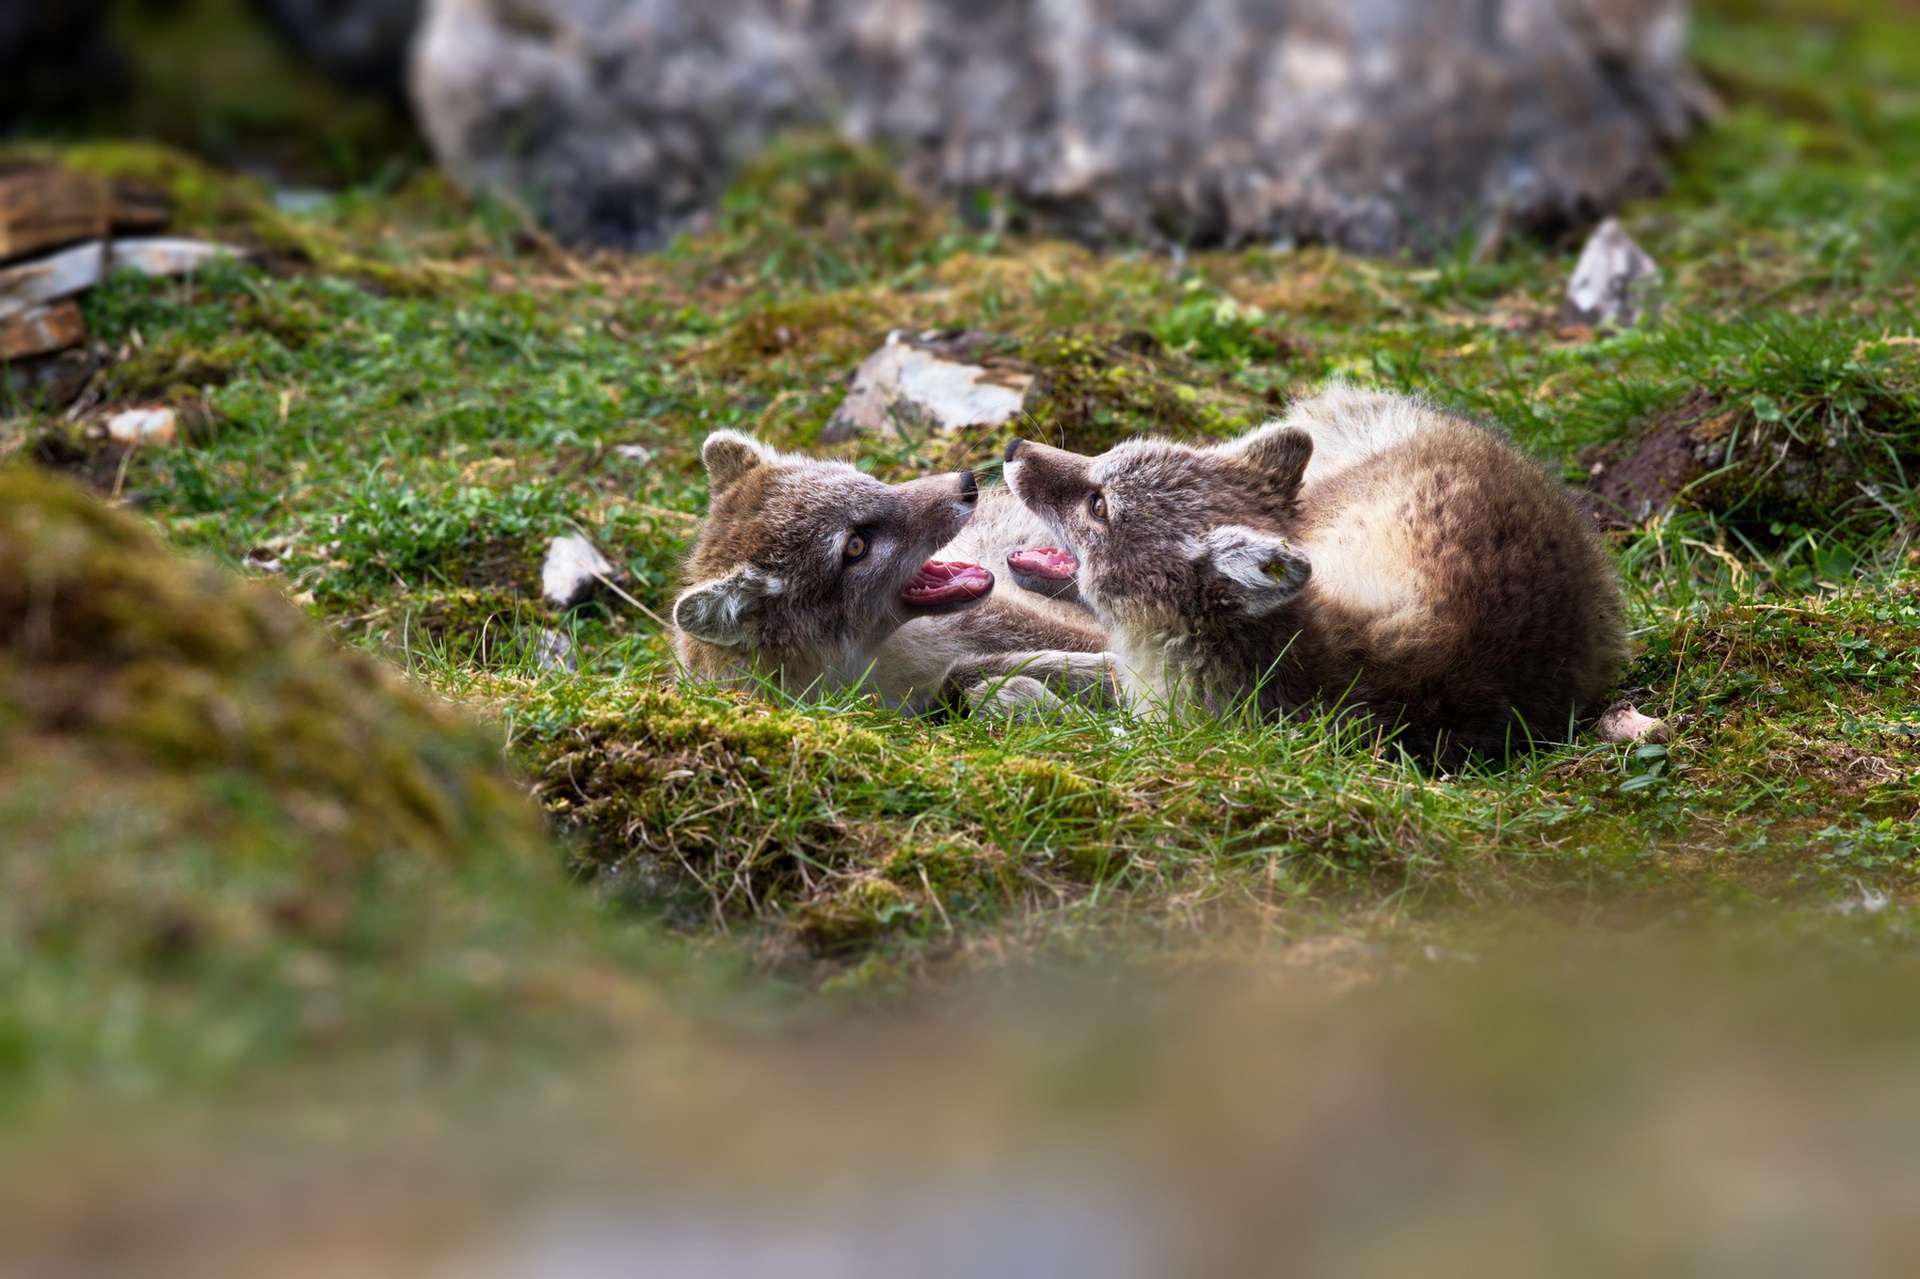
[1265, 571]
[723, 611]
[730, 456]
[1278, 451]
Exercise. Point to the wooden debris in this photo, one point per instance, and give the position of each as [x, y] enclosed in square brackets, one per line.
[166, 255]
[58, 275]
[81, 267]
[39, 329]
[138, 208]
[43, 207]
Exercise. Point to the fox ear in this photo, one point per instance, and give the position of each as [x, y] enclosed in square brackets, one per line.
[1265, 571]
[730, 456]
[722, 611]
[1278, 451]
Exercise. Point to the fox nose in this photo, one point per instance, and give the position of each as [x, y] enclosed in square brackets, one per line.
[969, 488]
[1013, 446]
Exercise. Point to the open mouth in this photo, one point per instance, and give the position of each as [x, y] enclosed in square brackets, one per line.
[1049, 562]
[946, 582]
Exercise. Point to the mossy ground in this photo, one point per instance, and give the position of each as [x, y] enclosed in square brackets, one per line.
[415, 391]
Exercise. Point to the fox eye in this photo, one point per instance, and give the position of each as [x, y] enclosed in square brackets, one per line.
[1097, 506]
[856, 548]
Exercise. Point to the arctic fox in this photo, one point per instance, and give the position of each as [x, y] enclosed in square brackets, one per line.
[1365, 552]
[820, 577]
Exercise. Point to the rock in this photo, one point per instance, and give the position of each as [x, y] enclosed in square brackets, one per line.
[144, 426]
[1622, 723]
[1377, 127]
[572, 569]
[914, 387]
[361, 44]
[1611, 281]
[553, 651]
[37, 330]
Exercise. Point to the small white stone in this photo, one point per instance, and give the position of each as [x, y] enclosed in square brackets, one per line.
[144, 426]
[573, 566]
[1610, 281]
[553, 651]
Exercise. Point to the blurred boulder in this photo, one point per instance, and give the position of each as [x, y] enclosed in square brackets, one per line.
[361, 44]
[55, 57]
[1394, 124]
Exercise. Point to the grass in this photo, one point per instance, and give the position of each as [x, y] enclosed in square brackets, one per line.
[412, 392]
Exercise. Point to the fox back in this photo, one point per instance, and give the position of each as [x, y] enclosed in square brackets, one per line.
[1365, 552]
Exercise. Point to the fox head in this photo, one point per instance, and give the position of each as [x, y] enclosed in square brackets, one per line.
[803, 564]
[1167, 532]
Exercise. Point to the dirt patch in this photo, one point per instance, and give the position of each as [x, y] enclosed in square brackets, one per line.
[1842, 767]
[1713, 453]
[1637, 479]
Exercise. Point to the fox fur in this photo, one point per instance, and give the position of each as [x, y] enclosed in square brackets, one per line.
[1367, 552]
[771, 589]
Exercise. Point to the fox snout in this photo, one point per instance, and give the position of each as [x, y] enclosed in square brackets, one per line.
[1046, 480]
[959, 492]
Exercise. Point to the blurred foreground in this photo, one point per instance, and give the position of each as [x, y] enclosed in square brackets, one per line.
[1568, 1104]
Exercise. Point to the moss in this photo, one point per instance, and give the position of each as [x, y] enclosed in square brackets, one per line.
[1093, 392]
[202, 788]
[855, 912]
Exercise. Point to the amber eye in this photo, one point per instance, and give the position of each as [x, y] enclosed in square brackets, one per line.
[856, 548]
[1097, 506]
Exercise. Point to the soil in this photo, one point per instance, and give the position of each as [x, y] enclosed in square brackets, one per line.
[1633, 480]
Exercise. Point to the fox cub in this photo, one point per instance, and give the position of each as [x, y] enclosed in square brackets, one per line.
[820, 577]
[1365, 552]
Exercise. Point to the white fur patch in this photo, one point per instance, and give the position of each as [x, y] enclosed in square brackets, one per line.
[1268, 570]
[718, 611]
[1349, 425]
[1368, 561]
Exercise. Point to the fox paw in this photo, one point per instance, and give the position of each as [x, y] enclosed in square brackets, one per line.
[1020, 699]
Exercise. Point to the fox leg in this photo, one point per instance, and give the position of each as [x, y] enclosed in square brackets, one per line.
[1088, 676]
[1019, 698]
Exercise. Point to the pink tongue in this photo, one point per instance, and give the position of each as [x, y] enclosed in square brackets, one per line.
[1044, 561]
[943, 582]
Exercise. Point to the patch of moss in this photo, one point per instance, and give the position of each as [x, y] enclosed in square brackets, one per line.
[208, 800]
[1094, 392]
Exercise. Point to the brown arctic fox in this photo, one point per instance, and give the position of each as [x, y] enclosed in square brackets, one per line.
[821, 577]
[1365, 552]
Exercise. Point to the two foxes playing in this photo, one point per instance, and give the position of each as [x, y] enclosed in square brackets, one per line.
[1365, 553]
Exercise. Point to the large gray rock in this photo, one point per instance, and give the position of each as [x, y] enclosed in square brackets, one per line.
[1373, 124]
